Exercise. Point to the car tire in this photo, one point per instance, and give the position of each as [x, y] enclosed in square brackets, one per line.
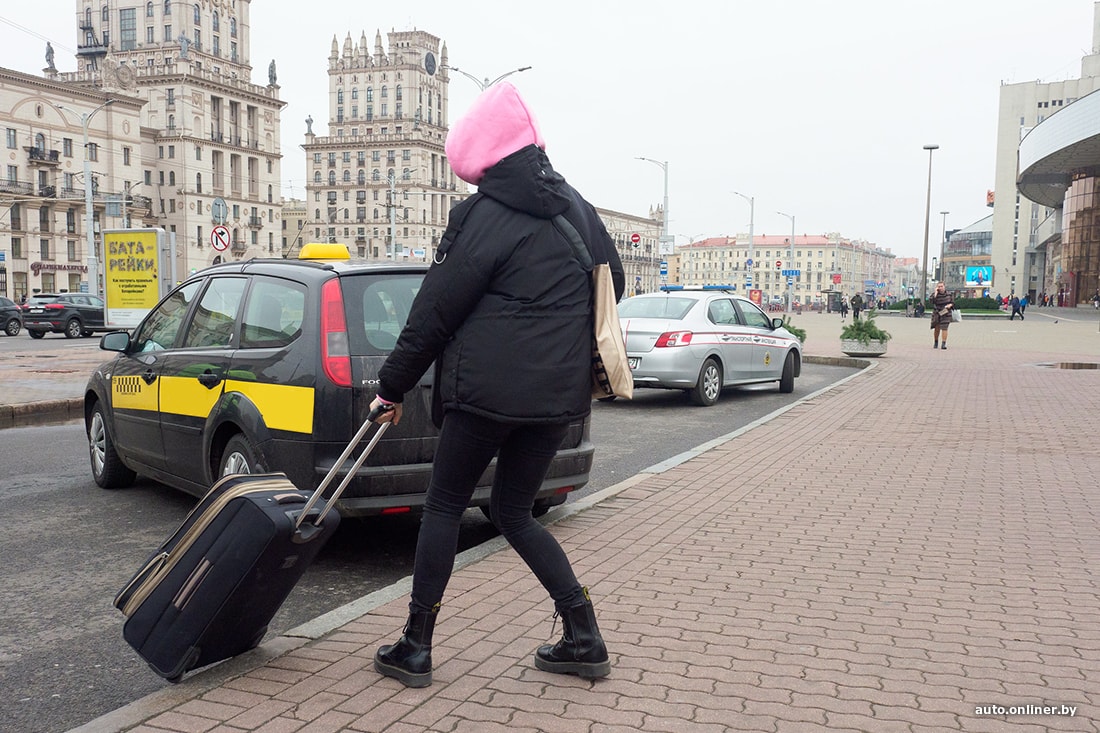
[12, 327]
[108, 470]
[709, 385]
[239, 457]
[786, 382]
[35, 334]
[87, 334]
[73, 328]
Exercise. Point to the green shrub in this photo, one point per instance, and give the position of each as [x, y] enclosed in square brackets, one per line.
[864, 330]
[799, 333]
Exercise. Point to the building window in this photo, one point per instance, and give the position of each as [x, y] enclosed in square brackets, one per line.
[233, 27]
[44, 249]
[198, 15]
[13, 139]
[215, 23]
[168, 34]
[17, 248]
[167, 7]
[198, 183]
[149, 10]
[127, 18]
[105, 14]
[93, 151]
[171, 151]
[125, 155]
[150, 34]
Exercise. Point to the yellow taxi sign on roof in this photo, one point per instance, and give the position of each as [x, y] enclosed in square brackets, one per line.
[324, 251]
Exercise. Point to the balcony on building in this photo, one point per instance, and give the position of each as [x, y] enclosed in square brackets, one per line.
[238, 246]
[41, 156]
[14, 186]
[47, 192]
[255, 222]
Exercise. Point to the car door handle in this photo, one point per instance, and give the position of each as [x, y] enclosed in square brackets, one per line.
[149, 376]
[209, 380]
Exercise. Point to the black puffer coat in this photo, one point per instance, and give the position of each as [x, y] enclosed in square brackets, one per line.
[507, 308]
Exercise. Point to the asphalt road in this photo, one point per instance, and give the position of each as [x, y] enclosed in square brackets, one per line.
[69, 546]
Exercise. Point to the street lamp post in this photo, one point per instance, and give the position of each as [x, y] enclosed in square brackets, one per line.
[89, 224]
[790, 261]
[485, 84]
[943, 246]
[750, 262]
[927, 224]
[664, 211]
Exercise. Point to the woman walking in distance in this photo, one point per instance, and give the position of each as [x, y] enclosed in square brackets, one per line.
[505, 312]
[942, 303]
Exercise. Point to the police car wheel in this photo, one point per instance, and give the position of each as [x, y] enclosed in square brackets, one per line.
[709, 385]
[786, 382]
[239, 457]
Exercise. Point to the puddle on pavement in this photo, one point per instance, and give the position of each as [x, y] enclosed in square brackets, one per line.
[1069, 365]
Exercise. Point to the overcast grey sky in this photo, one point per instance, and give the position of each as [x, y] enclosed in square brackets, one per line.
[817, 109]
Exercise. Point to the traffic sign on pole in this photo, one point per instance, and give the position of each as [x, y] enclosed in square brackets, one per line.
[219, 238]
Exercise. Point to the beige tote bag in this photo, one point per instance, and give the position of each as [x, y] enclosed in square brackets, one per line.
[611, 376]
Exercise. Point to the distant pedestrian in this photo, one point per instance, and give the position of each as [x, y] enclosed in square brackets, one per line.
[843, 308]
[857, 306]
[1023, 305]
[942, 303]
[1015, 304]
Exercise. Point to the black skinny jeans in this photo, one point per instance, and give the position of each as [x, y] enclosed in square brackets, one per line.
[467, 443]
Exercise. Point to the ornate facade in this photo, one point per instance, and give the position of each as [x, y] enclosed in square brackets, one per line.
[379, 181]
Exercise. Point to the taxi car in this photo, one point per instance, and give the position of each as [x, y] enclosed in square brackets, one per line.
[271, 365]
[702, 340]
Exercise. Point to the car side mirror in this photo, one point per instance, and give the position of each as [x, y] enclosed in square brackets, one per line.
[115, 341]
[777, 323]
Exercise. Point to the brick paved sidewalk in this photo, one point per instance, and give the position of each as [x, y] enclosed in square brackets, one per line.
[824, 570]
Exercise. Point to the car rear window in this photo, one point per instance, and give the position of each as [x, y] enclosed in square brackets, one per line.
[376, 307]
[674, 308]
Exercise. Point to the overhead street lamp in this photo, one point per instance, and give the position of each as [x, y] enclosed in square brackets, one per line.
[750, 262]
[89, 224]
[485, 84]
[665, 239]
[927, 223]
[790, 261]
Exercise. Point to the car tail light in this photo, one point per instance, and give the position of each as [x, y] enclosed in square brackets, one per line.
[54, 306]
[335, 356]
[673, 338]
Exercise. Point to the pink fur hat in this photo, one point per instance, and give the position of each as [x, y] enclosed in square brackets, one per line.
[496, 125]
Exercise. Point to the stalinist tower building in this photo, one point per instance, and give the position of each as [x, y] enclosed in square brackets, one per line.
[378, 181]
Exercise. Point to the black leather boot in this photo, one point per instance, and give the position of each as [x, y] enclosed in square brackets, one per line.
[409, 661]
[581, 650]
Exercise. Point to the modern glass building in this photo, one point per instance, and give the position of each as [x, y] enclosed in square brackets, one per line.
[1059, 164]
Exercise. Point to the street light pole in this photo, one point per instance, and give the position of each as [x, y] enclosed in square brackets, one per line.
[751, 261]
[485, 84]
[943, 245]
[664, 212]
[927, 224]
[790, 261]
[89, 223]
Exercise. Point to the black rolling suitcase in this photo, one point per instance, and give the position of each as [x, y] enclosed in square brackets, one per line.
[210, 591]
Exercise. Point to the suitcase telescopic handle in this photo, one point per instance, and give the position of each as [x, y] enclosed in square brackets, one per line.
[382, 428]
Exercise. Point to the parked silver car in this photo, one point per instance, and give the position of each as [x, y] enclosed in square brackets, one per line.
[704, 339]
